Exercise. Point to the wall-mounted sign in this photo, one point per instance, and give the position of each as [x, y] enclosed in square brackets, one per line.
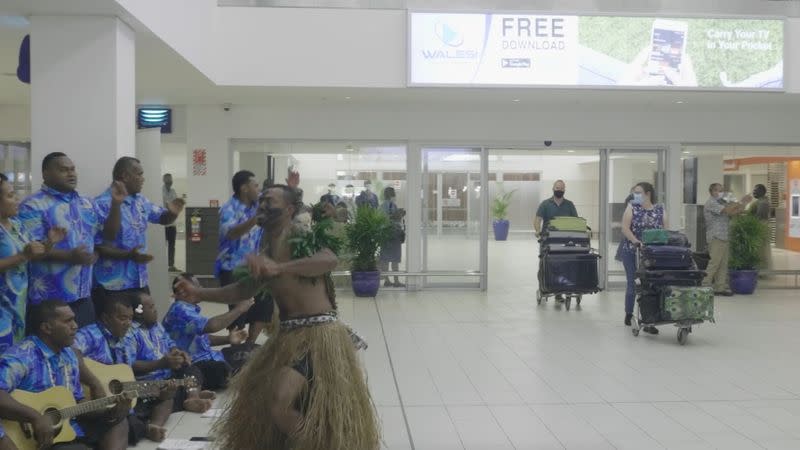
[794, 208]
[553, 50]
[213, 203]
[199, 162]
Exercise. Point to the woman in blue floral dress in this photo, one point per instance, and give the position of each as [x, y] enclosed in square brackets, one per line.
[642, 213]
[16, 249]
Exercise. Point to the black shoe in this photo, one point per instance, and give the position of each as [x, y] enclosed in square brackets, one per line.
[559, 298]
[650, 330]
[387, 283]
[399, 284]
[628, 318]
[724, 293]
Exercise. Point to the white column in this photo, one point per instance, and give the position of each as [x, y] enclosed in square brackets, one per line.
[83, 94]
[207, 129]
[148, 150]
[413, 215]
[674, 186]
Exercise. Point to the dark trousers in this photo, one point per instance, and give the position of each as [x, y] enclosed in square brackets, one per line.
[215, 374]
[629, 261]
[171, 234]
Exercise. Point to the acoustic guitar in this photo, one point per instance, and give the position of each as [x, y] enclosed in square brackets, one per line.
[119, 378]
[58, 405]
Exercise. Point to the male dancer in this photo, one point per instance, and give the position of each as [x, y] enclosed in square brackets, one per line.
[306, 379]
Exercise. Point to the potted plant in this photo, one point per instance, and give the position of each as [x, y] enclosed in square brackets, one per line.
[747, 237]
[500, 205]
[365, 236]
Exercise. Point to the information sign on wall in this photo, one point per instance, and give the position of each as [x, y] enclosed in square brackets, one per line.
[554, 50]
[199, 162]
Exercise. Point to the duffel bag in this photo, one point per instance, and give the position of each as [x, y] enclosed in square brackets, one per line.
[573, 273]
[655, 237]
[567, 223]
[687, 303]
[666, 257]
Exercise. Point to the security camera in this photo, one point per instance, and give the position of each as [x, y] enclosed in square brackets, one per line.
[548, 143]
[227, 107]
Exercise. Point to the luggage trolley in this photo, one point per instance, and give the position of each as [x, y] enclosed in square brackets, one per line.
[655, 289]
[567, 270]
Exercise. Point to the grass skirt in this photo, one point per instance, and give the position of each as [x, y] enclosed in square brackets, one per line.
[337, 407]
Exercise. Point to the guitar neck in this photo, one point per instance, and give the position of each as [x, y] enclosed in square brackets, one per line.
[89, 407]
[154, 384]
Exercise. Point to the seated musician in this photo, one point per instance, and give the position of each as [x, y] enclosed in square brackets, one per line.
[45, 360]
[158, 358]
[192, 332]
[110, 341]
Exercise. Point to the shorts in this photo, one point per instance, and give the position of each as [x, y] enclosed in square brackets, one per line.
[261, 311]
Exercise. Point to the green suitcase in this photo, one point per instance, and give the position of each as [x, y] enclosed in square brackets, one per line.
[655, 237]
[687, 303]
[567, 223]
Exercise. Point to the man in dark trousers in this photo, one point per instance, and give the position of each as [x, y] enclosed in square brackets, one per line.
[555, 206]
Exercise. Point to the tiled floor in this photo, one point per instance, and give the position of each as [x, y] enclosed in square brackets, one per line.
[492, 370]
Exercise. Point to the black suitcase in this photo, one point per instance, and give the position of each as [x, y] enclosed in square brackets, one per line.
[566, 237]
[666, 257]
[701, 259]
[565, 248]
[671, 277]
[569, 273]
[649, 307]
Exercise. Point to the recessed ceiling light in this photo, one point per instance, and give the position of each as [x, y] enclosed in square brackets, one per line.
[686, 152]
[347, 98]
[680, 102]
[516, 100]
[652, 162]
[570, 151]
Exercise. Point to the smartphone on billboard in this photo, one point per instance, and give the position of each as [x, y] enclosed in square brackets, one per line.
[668, 45]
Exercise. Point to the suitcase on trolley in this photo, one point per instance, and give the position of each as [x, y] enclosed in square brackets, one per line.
[570, 272]
[567, 223]
[649, 306]
[565, 248]
[666, 257]
[687, 303]
[654, 278]
[580, 238]
[664, 237]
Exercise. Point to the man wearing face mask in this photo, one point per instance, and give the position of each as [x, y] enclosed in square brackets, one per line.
[718, 213]
[555, 206]
[367, 197]
[331, 196]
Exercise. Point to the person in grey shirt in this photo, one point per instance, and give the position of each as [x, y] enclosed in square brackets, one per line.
[169, 195]
[718, 213]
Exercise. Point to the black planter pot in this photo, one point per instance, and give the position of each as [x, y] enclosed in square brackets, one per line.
[743, 282]
[366, 284]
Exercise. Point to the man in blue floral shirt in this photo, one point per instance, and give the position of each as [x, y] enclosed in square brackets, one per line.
[45, 360]
[238, 237]
[159, 358]
[111, 340]
[192, 333]
[123, 258]
[65, 272]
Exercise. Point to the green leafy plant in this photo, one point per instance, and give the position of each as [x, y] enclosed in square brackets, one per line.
[365, 236]
[501, 203]
[747, 236]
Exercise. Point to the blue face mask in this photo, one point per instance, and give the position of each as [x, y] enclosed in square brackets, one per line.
[637, 199]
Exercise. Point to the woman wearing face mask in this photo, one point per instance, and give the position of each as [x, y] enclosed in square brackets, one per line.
[392, 250]
[618, 256]
[16, 249]
[761, 209]
[643, 213]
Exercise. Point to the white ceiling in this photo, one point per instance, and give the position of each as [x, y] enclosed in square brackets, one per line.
[164, 77]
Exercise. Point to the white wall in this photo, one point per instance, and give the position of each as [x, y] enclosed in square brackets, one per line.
[15, 123]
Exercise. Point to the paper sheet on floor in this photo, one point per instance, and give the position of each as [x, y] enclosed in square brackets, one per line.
[213, 413]
[181, 444]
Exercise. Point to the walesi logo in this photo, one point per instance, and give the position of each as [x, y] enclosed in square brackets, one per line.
[453, 38]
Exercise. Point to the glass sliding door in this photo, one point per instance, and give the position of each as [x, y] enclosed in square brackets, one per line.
[454, 217]
[621, 170]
